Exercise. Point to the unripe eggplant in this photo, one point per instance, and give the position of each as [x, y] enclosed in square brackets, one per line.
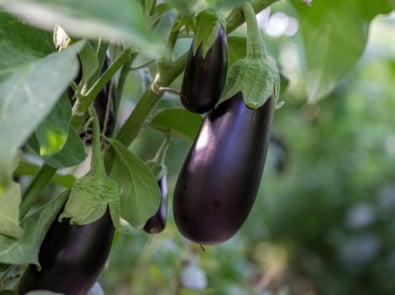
[219, 180]
[71, 257]
[204, 77]
[157, 222]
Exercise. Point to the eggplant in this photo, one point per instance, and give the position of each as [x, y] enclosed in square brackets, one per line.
[71, 257]
[204, 77]
[219, 180]
[157, 222]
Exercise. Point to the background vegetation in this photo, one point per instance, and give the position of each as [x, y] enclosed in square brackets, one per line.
[324, 221]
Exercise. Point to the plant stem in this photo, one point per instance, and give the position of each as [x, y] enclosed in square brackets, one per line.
[236, 18]
[255, 45]
[148, 101]
[97, 165]
[84, 101]
[36, 187]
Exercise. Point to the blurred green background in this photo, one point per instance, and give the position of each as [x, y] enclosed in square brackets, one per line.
[324, 219]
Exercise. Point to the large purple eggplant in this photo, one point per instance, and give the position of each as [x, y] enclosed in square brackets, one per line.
[71, 257]
[219, 180]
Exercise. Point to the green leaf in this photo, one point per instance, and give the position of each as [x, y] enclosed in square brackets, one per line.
[72, 153]
[35, 226]
[140, 194]
[120, 21]
[21, 43]
[35, 85]
[334, 35]
[9, 212]
[179, 121]
[53, 131]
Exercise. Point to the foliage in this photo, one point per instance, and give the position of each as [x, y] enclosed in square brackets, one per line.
[322, 222]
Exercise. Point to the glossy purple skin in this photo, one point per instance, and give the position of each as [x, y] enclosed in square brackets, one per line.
[157, 222]
[219, 180]
[71, 256]
[204, 78]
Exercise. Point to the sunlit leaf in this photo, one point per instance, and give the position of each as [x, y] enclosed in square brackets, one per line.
[53, 131]
[334, 35]
[29, 91]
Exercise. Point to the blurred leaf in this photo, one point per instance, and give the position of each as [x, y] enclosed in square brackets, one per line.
[21, 43]
[53, 131]
[114, 21]
[334, 35]
[25, 250]
[225, 3]
[179, 121]
[140, 194]
[236, 48]
[36, 85]
[9, 212]
[72, 153]
[193, 277]
[96, 290]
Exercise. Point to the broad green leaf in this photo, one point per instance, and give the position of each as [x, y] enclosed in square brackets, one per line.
[29, 92]
[9, 212]
[72, 153]
[120, 21]
[21, 43]
[53, 131]
[140, 194]
[334, 35]
[179, 121]
[35, 226]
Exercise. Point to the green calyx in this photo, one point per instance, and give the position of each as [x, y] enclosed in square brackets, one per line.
[157, 164]
[208, 23]
[91, 194]
[89, 199]
[254, 76]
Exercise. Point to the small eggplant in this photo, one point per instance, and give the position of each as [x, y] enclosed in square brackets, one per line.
[157, 222]
[218, 183]
[204, 77]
